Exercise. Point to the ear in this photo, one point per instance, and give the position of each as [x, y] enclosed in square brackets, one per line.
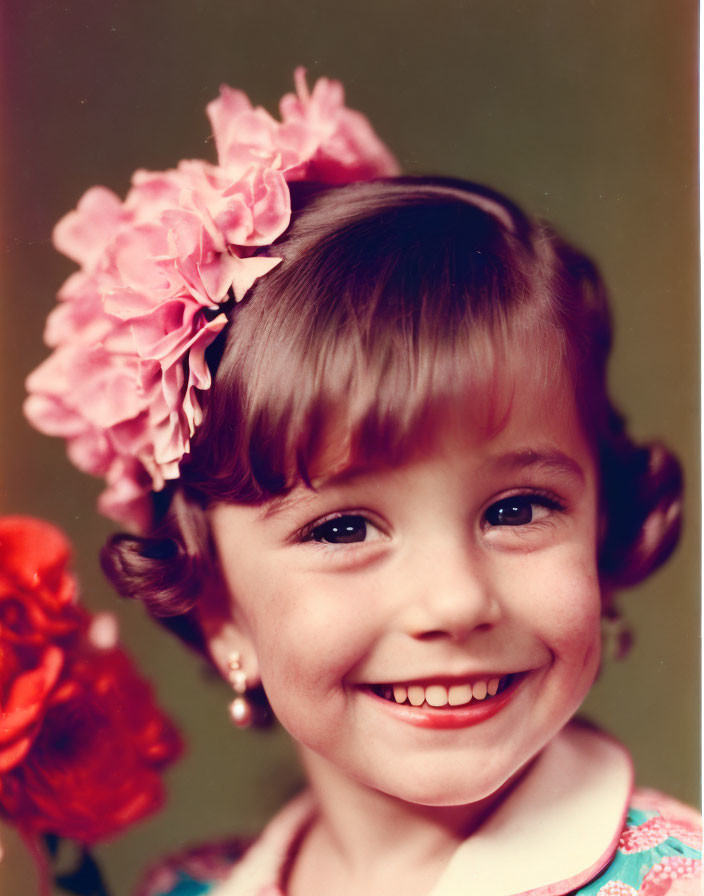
[226, 635]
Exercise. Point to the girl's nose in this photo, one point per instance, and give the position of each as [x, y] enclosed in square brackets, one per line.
[452, 595]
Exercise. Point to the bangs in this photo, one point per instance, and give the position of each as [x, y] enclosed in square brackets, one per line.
[385, 319]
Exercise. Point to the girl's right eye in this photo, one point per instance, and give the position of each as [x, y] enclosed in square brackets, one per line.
[348, 528]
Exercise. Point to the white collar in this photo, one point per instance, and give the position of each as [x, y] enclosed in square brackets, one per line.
[555, 830]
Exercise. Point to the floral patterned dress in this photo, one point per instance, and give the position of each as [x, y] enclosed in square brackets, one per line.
[655, 851]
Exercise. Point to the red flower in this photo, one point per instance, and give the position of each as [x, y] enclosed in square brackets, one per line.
[38, 620]
[82, 742]
[94, 767]
[37, 593]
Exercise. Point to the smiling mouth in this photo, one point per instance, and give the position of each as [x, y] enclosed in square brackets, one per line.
[445, 696]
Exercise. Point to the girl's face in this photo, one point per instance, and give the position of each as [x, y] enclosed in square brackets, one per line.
[374, 605]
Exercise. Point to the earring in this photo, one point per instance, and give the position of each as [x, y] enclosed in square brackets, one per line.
[240, 708]
[616, 636]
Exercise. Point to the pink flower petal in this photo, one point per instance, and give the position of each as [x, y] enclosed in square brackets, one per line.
[126, 501]
[81, 319]
[242, 134]
[83, 234]
[248, 271]
[91, 452]
[135, 257]
[161, 335]
[50, 415]
[153, 192]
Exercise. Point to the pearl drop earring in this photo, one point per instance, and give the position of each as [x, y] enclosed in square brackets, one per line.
[240, 708]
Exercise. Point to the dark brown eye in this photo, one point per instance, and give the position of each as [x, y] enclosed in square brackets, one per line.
[514, 511]
[341, 530]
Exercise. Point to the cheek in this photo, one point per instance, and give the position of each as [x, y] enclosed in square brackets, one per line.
[561, 601]
[307, 643]
[310, 635]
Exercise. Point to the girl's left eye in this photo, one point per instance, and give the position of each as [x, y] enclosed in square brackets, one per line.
[348, 528]
[520, 510]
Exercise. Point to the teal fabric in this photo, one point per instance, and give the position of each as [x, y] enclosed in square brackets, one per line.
[188, 886]
[631, 868]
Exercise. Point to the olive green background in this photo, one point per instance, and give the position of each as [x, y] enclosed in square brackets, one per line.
[583, 111]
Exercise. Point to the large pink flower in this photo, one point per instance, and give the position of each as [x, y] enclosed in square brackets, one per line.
[130, 335]
[125, 382]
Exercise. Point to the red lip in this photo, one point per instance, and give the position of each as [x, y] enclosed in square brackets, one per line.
[457, 717]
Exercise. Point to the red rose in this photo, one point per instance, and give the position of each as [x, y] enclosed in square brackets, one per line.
[39, 619]
[94, 767]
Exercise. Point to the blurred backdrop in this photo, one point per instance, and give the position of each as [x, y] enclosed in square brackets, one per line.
[581, 111]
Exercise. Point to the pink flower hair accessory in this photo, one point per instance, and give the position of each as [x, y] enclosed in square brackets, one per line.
[125, 380]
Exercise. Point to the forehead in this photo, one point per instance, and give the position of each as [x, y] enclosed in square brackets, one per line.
[518, 416]
[538, 432]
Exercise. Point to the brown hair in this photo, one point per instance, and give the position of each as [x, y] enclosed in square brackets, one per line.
[394, 296]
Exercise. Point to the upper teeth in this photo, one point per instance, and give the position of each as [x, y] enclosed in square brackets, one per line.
[439, 695]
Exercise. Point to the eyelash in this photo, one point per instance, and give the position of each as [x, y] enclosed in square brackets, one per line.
[307, 534]
[547, 500]
[543, 499]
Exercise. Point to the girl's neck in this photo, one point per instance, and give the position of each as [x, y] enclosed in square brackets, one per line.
[364, 840]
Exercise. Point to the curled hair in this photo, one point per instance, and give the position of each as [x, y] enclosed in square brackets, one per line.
[395, 296]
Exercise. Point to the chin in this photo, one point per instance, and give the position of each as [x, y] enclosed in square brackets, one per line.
[445, 790]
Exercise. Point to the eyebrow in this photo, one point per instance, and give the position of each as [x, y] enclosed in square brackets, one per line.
[548, 460]
[282, 503]
[278, 505]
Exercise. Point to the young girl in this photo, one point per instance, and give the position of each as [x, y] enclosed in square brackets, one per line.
[395, 516]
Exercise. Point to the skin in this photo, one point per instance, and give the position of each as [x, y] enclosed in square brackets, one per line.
[442, 586]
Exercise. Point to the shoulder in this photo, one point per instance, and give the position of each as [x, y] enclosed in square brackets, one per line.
[193, 871]
[659, 852]
[240, 865]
